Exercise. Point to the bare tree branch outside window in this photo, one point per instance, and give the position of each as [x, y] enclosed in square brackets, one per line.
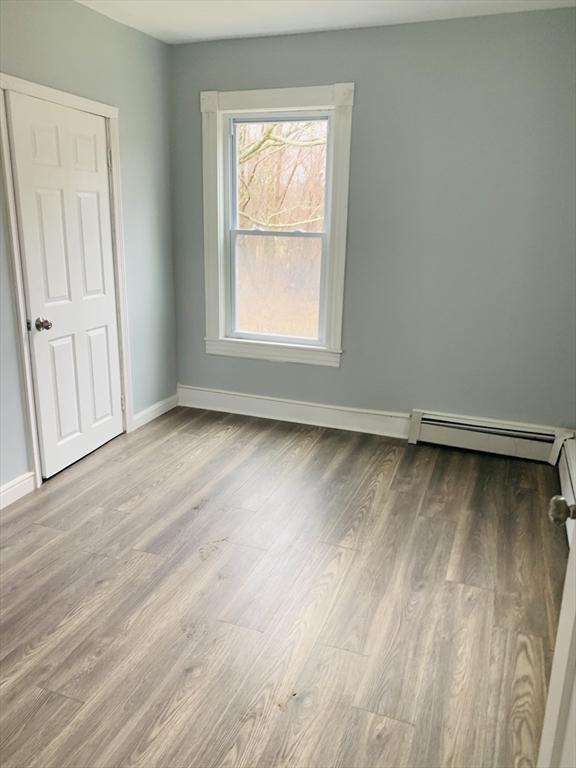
[281, 178]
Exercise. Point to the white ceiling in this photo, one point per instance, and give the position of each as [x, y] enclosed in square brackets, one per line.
[184, 21]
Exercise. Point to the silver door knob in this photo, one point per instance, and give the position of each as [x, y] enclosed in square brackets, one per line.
[42, 324]
[559, 510]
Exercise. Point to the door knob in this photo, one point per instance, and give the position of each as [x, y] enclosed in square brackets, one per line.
[42, 324]
[559, 510]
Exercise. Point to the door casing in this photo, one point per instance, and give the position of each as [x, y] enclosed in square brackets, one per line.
[111, 116]
[563, 675]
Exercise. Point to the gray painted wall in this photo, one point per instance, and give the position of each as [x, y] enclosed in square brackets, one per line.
[64, 45]
[13, 447]
[461, 274]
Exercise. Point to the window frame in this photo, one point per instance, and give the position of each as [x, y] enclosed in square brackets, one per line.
[232, 231]
[219, 110]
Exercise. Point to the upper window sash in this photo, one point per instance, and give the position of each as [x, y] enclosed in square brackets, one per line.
[234, 120]
[335, 103]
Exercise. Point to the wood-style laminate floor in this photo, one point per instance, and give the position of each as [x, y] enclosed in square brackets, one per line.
[217, 590]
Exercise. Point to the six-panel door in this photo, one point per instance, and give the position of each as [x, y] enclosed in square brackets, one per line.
[61, 179]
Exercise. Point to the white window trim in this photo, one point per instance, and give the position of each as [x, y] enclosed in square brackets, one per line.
[216, 105]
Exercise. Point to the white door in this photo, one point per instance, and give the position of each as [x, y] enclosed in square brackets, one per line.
[60, 166]
[558, 742]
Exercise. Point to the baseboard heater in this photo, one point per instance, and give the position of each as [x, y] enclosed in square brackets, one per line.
[524, 441]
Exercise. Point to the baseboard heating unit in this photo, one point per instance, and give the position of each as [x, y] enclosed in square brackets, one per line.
[525, 441]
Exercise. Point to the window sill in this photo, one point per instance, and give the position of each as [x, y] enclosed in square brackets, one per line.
[280, 353]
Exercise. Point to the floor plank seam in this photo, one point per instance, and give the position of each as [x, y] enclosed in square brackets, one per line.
[241, 626]
[469, 584]
[341, 546]
[388, 717]
[231, 540]
[63, 695]
[344, 650]
[148, 552]
[50, 527]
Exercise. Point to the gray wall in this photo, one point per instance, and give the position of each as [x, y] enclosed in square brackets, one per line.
[461, 272]
[64, 45]
[13, 447]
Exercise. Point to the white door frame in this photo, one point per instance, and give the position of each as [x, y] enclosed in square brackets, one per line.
[110, 114]
[563, 675]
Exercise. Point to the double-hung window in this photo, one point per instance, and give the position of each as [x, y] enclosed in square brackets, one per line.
[276, 167]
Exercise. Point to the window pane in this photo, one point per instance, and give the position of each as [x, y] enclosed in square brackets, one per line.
[281, 174]
[278, 285]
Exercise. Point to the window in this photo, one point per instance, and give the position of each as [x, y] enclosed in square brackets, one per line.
[277, 227]
[275, 203]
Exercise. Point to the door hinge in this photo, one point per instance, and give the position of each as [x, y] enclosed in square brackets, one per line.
[109, 158]
[122, 403]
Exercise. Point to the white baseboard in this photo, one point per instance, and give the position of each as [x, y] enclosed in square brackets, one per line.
[17, 488]
[152, 412]
[337, 417]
